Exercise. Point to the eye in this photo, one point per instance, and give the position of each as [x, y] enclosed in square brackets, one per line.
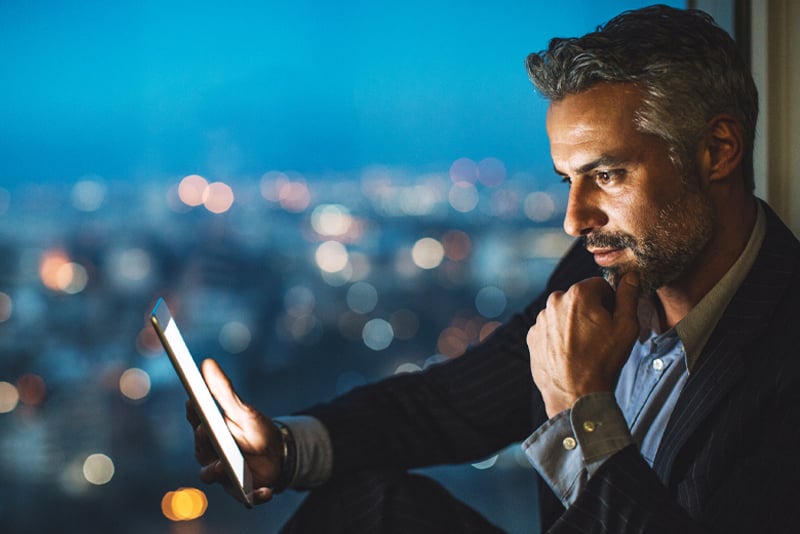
[566, 180]
[607, 177]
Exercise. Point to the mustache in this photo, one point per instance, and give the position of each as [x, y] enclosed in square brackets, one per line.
[610, 241]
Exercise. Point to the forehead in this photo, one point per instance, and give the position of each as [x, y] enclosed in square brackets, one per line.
[606, 111]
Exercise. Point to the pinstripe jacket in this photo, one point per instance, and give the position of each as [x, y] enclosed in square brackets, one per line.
[728, 461]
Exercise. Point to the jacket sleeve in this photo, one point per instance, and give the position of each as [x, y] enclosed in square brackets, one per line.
[461, 410]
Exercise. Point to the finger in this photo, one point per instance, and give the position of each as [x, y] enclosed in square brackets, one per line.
[213, 472]
[191, 414]
[203, 449]
[627, 297]
[222, 389]
[262, 495]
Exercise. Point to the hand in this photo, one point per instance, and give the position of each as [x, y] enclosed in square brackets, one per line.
[257, 437]
[582, 339]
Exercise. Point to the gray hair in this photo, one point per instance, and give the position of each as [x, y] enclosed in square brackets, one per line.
[688, 67]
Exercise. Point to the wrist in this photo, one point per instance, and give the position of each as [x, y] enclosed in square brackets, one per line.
[288, 460]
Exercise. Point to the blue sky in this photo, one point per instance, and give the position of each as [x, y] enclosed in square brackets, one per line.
[131, 89]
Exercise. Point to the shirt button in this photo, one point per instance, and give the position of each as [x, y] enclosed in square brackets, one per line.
[658, 364]
[589, 426]
[569, 443]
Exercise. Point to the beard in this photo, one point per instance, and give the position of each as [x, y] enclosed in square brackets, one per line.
[665, 250]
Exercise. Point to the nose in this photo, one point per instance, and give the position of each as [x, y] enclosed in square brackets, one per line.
[584, 214]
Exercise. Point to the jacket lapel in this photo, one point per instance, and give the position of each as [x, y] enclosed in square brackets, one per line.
[722, 361]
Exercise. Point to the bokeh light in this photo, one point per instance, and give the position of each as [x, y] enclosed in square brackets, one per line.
[490, 302]
[192, 189]
[9, 397]
[407, 368]
[463, 171]
[331, 220]
[218, 197]
[377, 334]
[98, 469]
[452, 342]
[291, 193]
[88, 194]
[134, 384]
[59, 273]
[6, 306]
[491, 172]
[539, 206]
[463, 197]
[32, 389]
[234, 337]
[487, 463]
[362, 297]
[427, 253]
[331, 256]
[184, 504]
[457, 245]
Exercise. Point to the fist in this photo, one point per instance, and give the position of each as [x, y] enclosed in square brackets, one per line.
[582, 339]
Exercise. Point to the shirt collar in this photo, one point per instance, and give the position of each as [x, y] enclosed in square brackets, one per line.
[695, 329]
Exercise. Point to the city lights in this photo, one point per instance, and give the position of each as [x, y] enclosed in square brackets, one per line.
[184, 504]
[491, 172]
[32, 389]
[98, 469]
[377, 334]
[88, 194]
[331, 256]
[427, 253]
[134, 384]
[464, 171]
[218, 197]
[362, 297]
[490, 302]
[331, 220]
[539, 206]
[194, 190]
[463, 197]
[6, 305]
[59, 273]
[9, 397]
[191, 190]
[234, 337]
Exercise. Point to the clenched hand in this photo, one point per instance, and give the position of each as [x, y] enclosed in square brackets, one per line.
[582, 339]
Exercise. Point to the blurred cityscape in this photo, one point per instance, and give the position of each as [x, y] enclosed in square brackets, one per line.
[301, 286]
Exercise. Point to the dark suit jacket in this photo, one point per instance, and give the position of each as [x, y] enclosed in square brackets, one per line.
[728, 461]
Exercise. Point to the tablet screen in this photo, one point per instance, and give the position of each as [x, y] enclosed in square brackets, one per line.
[198, 391]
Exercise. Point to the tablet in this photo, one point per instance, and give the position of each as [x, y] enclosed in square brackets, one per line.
[226, 447]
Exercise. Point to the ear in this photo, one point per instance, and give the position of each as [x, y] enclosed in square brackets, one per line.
[722, 148]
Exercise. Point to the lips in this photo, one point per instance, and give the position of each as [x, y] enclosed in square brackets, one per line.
[606, 257]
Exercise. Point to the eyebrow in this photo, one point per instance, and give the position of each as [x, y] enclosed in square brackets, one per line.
[606, 160]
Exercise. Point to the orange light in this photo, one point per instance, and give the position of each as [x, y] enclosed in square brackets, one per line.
[184, 504]
[32, 389]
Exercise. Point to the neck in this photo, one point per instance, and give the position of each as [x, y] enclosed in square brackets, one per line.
[732, 230]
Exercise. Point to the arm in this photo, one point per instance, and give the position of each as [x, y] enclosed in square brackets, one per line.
[461, 410]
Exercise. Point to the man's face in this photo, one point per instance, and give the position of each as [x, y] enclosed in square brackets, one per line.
[633, 208]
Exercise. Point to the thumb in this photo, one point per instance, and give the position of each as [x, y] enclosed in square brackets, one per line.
[627, 297]
[221, 388]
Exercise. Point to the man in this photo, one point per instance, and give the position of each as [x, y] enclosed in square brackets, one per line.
[665, 398]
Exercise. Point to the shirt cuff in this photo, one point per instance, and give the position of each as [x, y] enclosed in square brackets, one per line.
[569, 448]
[313, 448]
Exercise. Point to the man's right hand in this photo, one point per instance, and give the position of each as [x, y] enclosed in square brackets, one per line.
[257, 436]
